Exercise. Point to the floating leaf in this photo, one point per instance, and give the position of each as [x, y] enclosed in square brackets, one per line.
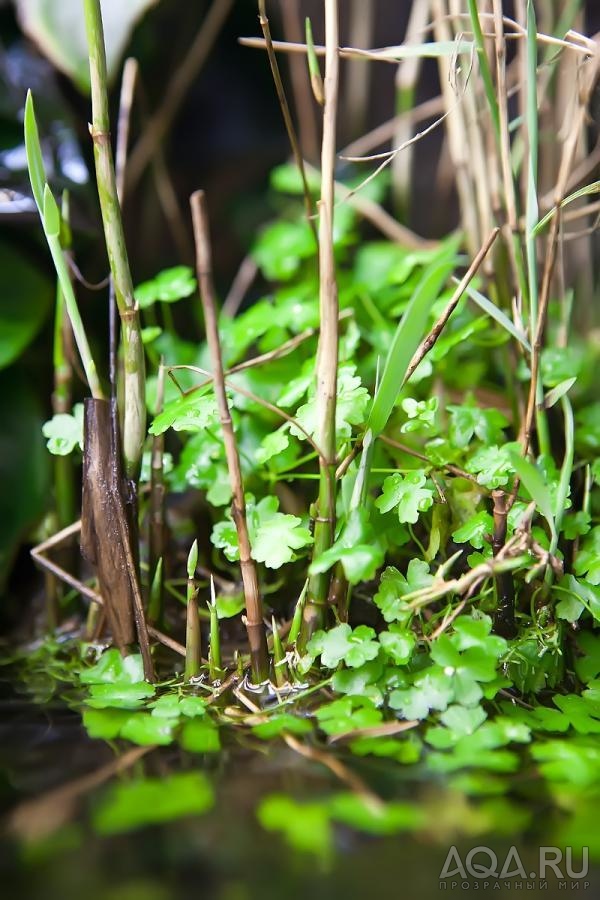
[128, 805]
[59, 30]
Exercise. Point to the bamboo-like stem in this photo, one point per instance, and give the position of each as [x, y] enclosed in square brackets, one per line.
[215, 664]
[327, 355]
[504, 620]
[64, 485]
[156, 526]
[134, 407]
[254, 611]
[280, 672]
[285, 110]
[534, 405]
[193, 642]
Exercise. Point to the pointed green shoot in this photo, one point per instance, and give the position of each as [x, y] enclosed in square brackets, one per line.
[408, 336]
[33, 150]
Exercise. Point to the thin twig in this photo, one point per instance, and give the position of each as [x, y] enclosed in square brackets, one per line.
[175, 92]
[254, 609]
[239, 287]
[287, 117]
[437, 329]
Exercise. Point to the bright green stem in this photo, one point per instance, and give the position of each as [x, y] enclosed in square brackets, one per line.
[193, 646]
[484, 68]
[64, 483]
[566, 471]
[155, 604]
[279, 664]
[133, 413]
[214, 654]
[297, 618]
[531, 215]
[62, 272]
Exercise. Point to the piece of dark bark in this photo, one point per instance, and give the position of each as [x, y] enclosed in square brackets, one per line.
[108, 517]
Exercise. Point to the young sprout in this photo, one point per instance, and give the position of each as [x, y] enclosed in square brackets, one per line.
[279, 663]
[214, 652]
[193, 647]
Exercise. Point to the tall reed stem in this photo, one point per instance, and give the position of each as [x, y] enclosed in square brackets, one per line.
[259, 656]
[327, 356]
[134, 408]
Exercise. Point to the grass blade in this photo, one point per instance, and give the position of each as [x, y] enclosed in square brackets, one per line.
[533, 481]
[593, 188]
[35, 162]
[494, 312]
[408, 336]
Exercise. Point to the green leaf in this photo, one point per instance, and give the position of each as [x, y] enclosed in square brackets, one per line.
[104, 723]
[351, 405]
[146, 729]
[476, 530]
[357, 548]
[468, 420]
[394, 586]
[58, 29]
[348, 714]
[200, 736]
[51, 215]
[120, 695]
[406, 493]
[305, 826]
[398, 644]
[583, 714]
[493, 465]
[112, 668]
[592, 188]
[166, 707]
[342, 643]
[35, 161]
[360, 681]
[432, 689]
[587, 562]
[129, 805]
[572, 762]
[275, 536]
[461, 720]
[192, 706]
[26, 297]
[64, 432]
[498, 315]
[273, 444]
[537, 487]
[408, 335]
[279, 723]
[389, 818]
[281, 247]
[587, 665]
[191, 412]
[168, 286]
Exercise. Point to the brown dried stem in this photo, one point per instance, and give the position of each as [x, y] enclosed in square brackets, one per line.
[254, 611]
[287, 116]
[327, 354]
